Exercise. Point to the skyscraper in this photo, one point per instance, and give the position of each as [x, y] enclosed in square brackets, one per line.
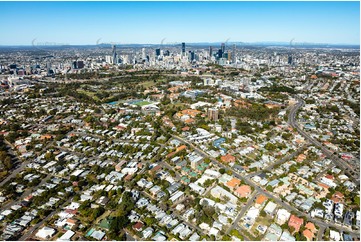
[191, 56]
[220, 53]
[223, 47]
[183, 49]
[108, 59]
[157, 52]
[234, 53]
[290, 61]
[144, 56]
[229, 56]
[75, 65]
[80, 64]
[210, 51]
[114, 55]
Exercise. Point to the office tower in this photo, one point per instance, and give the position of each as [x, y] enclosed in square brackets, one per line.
[222, 61]
[220, 53]
[157, 52]
[108, 59]
[183, 49]
[213, 114]
[223, 47]
[229, 56]
[166, 53]
[114, 55]
[191, 55]
[290, 60]
[277, 60]
[48, 66]
[80, 64]
[234, 53]
[74, 65]
[144, 56]
[210, 51]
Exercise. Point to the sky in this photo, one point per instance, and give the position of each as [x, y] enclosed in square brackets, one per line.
[77, 23]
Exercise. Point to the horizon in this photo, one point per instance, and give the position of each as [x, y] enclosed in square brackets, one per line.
[238, 43]
[125, 23]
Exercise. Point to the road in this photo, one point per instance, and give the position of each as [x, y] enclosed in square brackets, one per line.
[166, 165]
[129, 236]
[26, 193]
[265, 192]
[320, 233]
[243, 211]
[281, 161]
[38, 225]
[13, 153]
[347, 168]
[176, 214]
[319, 175]
[25, 163]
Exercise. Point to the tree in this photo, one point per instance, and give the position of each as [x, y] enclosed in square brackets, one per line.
[149, 221]
[8, 163]
[269, 188]
[48, 156]
[208, 182]
[209, 211]
[226, 238]
[118, 223]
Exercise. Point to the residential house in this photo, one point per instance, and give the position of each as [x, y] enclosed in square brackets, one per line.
[45, 233]
[295, 222]
[228, 158]
[233, 183]
[243, 191]
[261, 199]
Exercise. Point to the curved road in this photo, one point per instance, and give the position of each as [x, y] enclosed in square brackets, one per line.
[347, 168]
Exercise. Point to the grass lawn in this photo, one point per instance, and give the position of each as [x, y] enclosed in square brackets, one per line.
[148, 84]
[88, 93]
[266, 221]
[142, 103]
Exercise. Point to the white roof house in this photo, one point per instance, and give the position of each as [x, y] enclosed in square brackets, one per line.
[270, 207]
[67, 236]
[334, 235]
[282, 216]
[45, 233]
[219, 192]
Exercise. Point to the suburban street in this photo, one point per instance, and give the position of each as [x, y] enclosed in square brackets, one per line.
[348, 169]
[31, 230]
[265, 192]
[243, 211]
[281, 161]
[26, 193]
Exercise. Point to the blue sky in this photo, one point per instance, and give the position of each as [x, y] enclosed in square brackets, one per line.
[150, 22]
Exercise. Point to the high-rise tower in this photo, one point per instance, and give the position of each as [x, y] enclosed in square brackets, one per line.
[234, 54]
[223, 47]
[183, 49]
[114, 54]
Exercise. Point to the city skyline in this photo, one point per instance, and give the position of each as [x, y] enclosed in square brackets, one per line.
[91, 23]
